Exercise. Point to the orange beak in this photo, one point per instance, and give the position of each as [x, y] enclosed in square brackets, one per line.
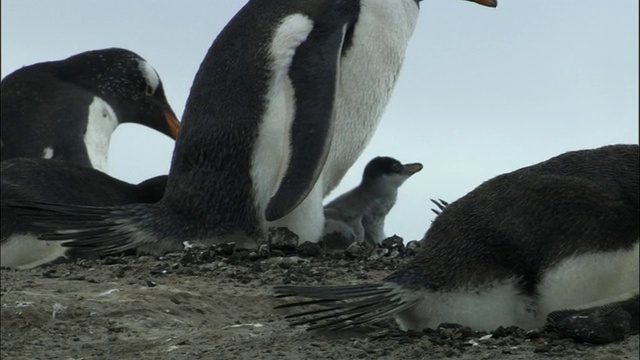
[489, 3]
[172, 123]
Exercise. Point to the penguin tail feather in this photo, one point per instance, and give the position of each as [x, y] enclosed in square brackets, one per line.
[107, 230]
[441, 204]
[343, 306]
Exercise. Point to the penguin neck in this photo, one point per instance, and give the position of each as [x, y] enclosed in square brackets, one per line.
[101, 123]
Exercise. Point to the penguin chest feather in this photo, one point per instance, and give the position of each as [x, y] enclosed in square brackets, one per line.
[101, 123]
[369, 68]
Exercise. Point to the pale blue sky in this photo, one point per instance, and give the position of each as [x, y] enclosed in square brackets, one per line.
[482, 91]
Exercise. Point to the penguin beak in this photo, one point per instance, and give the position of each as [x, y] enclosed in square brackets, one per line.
[173, 125]
[489, 3]
[411, 169]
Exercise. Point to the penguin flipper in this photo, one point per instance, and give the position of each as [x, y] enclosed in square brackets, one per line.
[313, 74]
[106, 230]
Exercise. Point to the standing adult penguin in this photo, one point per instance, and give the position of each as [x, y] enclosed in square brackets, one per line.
[557, 235]
[283, 104]
[68, 109]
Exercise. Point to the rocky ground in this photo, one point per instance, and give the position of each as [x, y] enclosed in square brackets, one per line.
[218, 303]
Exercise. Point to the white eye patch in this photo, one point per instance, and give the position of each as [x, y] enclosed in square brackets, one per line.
[150, 75]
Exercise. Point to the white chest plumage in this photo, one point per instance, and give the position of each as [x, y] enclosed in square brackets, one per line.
[102, 122]
[368, 72]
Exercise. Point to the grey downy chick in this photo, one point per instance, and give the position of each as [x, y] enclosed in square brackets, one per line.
[359, 214]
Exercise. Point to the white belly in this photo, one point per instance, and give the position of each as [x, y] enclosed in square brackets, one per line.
[368, 73]
[579, 282]
[589, 280]
[25, 251]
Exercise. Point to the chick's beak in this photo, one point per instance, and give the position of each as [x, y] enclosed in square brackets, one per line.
[412, 168]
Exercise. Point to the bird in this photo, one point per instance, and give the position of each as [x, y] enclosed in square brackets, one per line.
[358, 215]
[61, 182]
[68, 109]
[284, 102]
[560, 234]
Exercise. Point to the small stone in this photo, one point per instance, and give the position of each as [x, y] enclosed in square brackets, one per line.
[542, 348]
[601, 325]
[263, 251]
[309, 249]
[228, 248]
[356, 251]
[336, 241]
[283, 239]
[412, 247]
[393, 242]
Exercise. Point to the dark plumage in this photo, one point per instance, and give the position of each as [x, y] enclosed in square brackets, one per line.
[559, 234]
[67, 109]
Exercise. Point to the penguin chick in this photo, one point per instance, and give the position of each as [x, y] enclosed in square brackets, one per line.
[358, 215]
[68, 109]
[557, 235]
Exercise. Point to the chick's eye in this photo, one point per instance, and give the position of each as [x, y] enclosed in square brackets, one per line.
[397, 167]
[149, 90]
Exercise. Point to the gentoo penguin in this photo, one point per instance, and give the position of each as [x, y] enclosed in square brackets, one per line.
[61, 182]
[282, 105]
[560, 234]
[68, 109]
[358, 215]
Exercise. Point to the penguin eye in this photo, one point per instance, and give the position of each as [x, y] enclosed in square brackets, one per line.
[396, 168]
[149, 90]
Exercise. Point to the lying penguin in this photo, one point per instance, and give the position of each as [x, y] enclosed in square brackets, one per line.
[61, 182]
[68, 109]
[280, 108]
[359, 214]
[561, 234]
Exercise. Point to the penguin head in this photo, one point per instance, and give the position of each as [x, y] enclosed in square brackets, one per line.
[388, 171]
[127, 82]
